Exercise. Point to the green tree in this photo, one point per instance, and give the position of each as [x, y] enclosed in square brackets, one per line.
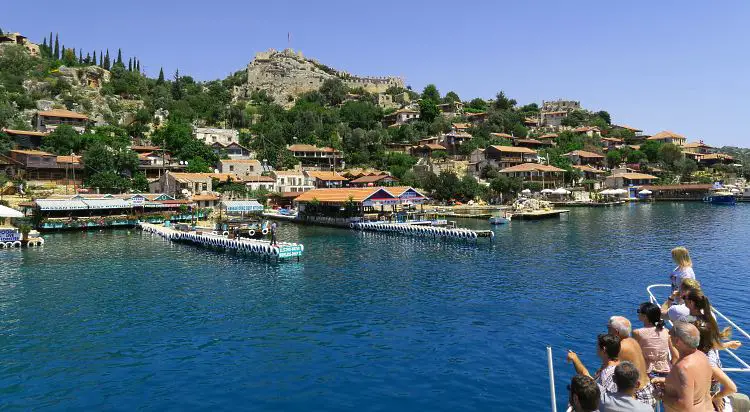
[109, 182]
[63, 141]
[636, 156]
[93, 59]
[119, 57]
[428, 110]
[362, 115]
[604, 116]
[57, 48]
[69, 57]
[6, 143]
[614, 158]
[506, 186]
[160, 80]
[502, 102]
[669, 154]
[451, 97]
[651, 149]
[478, 104]
[685, 167]
[333, 91]
[106, 65]
[431, 92]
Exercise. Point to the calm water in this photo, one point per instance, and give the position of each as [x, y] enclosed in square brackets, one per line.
[122, 320]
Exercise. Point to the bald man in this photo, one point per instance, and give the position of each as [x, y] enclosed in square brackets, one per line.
[630, 351]
[687, 388]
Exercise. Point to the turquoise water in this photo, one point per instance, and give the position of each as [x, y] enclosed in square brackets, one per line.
[123, 320]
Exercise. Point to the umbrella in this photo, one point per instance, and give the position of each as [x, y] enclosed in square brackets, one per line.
[619, 191]
[645, 192]
[735, 190]
[561, 191]
[526, 191]
[8, 212]
[547, 191]
[606, 192]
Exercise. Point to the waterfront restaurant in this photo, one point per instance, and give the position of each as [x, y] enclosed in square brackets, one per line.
[337, 205]
[620, 180]
[370, 181]
[679, 192]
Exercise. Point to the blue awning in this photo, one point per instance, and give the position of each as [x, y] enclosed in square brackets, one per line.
[242, 206]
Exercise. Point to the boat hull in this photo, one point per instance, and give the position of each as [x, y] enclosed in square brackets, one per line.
[720, 199]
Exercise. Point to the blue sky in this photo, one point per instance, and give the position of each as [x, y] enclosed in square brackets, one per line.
[657, 65]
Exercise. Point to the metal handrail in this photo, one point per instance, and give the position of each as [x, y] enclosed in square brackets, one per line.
[746, 367]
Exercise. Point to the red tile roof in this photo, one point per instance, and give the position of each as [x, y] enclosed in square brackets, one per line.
[63, 113]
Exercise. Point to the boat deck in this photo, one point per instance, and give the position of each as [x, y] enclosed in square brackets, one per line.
[538, 214]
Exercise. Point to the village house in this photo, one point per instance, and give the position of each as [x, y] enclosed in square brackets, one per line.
[668, 137]
[24, 139]
[477, 118]
[548, 138]
[531, 143]
[313, 156]
[592, 174]
[427, 149]
[209, 135]
[621, 178]
[552, 119]
[178, 184]
[590, 131]
[502, 157]
[18, 39]
[208, 200]
[325, 179]
[35, 165]
[292, 181]
[697, 147]
[357, 172]
[582, 157]
[453, 140]
[398, 147]
[611, 143]
[452, 109]
[259, 182]
[233, 150]
[636, 132]
[374, 180]
[712, 159]
[400, 117]
[547, 176]
[241, 167]
[49, 120]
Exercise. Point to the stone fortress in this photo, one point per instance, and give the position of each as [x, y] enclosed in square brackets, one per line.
[286, 74]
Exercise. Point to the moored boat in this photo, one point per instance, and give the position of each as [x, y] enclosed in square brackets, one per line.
[720, 197]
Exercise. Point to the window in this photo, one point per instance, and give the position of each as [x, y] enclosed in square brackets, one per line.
[231, 168]
[251, 168]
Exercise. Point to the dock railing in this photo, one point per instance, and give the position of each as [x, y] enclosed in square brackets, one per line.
[745, 367]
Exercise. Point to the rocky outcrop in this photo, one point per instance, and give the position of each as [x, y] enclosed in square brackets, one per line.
[284, 75]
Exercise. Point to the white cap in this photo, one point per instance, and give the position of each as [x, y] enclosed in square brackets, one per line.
[679, 313]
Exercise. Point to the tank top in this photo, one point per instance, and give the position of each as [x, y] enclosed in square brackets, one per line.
[655, 346]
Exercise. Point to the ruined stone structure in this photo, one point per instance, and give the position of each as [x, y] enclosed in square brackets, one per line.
[560, 106]
[286, 74]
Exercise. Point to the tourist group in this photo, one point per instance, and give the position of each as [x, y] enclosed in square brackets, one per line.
[678, 367]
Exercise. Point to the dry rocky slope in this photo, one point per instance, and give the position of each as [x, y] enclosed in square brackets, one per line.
[287, 74]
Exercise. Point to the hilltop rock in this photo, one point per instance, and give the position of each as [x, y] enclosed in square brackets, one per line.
[284, 75]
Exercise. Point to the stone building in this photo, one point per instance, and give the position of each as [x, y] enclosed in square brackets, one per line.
[49, 120]
[209, 135]
[18, 39]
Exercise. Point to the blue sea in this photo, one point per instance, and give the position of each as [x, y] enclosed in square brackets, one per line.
[123, 320]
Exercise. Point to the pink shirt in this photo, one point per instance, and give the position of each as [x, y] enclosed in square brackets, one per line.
[655, 346]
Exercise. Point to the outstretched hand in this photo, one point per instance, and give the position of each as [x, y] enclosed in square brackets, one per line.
[572, 356]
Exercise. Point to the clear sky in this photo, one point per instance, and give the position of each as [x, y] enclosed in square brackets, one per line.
[657, 65]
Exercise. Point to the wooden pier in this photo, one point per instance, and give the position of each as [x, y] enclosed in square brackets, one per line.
[260, 248]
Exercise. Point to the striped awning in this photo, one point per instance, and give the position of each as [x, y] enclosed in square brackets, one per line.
[61, 204]
[242, 206]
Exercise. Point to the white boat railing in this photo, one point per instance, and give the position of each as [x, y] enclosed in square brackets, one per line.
[746, 367]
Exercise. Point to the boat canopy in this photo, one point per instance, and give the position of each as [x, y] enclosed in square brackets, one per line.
[6, 212]
[64, 204]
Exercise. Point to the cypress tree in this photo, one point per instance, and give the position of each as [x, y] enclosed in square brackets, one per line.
[106, 61]
[57, 48]
[130, 64]
[138, 65]
[44, 44]
[87, 60]
[160, 80]
[94, 58]
[101, 59]
[80, 56]
[119, 56]
[62, 52]
[1, 31]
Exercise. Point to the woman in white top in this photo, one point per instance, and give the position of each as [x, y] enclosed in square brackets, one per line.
[684, 269]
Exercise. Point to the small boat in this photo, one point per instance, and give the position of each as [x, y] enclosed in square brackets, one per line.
[500, 220]
[720, 197]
